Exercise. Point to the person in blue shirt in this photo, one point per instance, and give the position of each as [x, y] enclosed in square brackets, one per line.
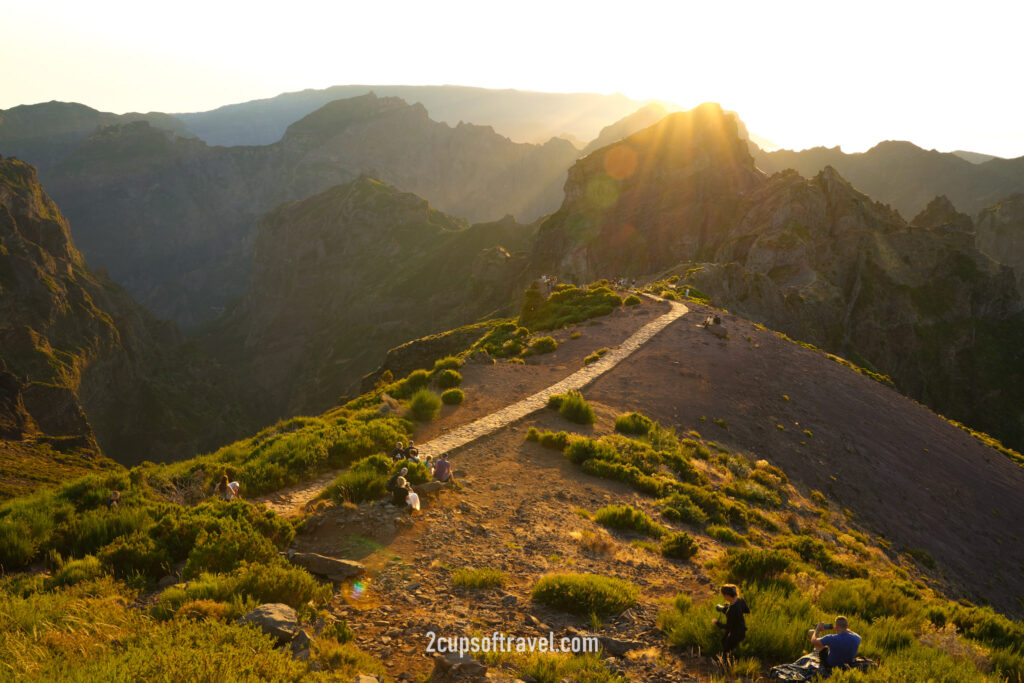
[836, 650]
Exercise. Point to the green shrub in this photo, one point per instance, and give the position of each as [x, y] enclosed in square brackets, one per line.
[585, 594]
[345, 661]
[566, 306]
[756, 565]
[365, 481]
[226, 547]
[76, 571]
[452, 397]
[447, 379]
[633, 423]
[678, 507]
[679, 546]
[573, 407]
[865, 598]
[137, 554]
[417, 474]
[542, 345]
[448, 363]
[631, 300]
[483, 577]
[258, 584]
[424, 405]
[810, 550]
[745, 489]
[594, 357]
[726, 535]
[581, 449]
[206, 610]
[556, 440]
[628, 518]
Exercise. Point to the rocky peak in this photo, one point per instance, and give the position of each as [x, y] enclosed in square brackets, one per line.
[940, 213]
[335, 117]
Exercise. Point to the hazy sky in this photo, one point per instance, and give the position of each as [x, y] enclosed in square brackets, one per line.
[943, 75]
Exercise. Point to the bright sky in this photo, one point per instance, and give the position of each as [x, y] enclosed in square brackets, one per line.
[943, 75]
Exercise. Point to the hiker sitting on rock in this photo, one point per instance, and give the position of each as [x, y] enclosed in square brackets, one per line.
[836, 650]
[227, 491]
[400, 492]
[735, 625]
[392, 483]
[443, 469]
[428, 462]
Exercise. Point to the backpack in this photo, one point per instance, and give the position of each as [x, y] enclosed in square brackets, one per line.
[807, 667]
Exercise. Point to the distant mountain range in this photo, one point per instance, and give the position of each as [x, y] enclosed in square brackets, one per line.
[173, 219]
[908, 177]
[521, 115]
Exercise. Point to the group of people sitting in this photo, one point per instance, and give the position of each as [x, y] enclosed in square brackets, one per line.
[834, 651]
[400, 489]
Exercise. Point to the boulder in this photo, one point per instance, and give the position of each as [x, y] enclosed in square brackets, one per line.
[275, 619]
[455, 667]
[301, 643]
[614, 646]
[332, 568]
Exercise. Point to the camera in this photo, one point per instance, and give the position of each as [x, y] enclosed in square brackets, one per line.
[722, 608]
[827, 627]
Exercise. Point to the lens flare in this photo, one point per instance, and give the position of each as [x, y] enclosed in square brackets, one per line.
[620, 162]
[358, 588]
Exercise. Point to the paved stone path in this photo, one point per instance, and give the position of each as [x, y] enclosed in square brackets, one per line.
[289, 500]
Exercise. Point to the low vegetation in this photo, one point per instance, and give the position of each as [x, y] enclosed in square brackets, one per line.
[425, 405]
[573, 407]
[452, 397]
[585, 594]
[567, 305]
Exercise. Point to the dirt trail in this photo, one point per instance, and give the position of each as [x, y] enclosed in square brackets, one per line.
[293, 499]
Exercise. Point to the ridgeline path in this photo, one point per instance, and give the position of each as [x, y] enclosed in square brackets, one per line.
[293, 499]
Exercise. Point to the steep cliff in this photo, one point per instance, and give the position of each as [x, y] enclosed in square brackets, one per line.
[1000, 234]
[342, 276]
[86, 368]
[813, 258]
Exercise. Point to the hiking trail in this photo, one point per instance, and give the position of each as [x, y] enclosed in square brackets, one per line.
[292, 499]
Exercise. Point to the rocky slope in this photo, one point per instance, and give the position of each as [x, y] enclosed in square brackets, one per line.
[1000, 234]
[814, 258]
[906, 176]
[344, 275]
[173, 219]
[87, 369]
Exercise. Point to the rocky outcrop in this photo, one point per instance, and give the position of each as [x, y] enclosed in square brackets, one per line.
[331, 568]
[340, 276]
[277, 620]
[87, 369]
[999, 232]
[816, 259]
[174, 220]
